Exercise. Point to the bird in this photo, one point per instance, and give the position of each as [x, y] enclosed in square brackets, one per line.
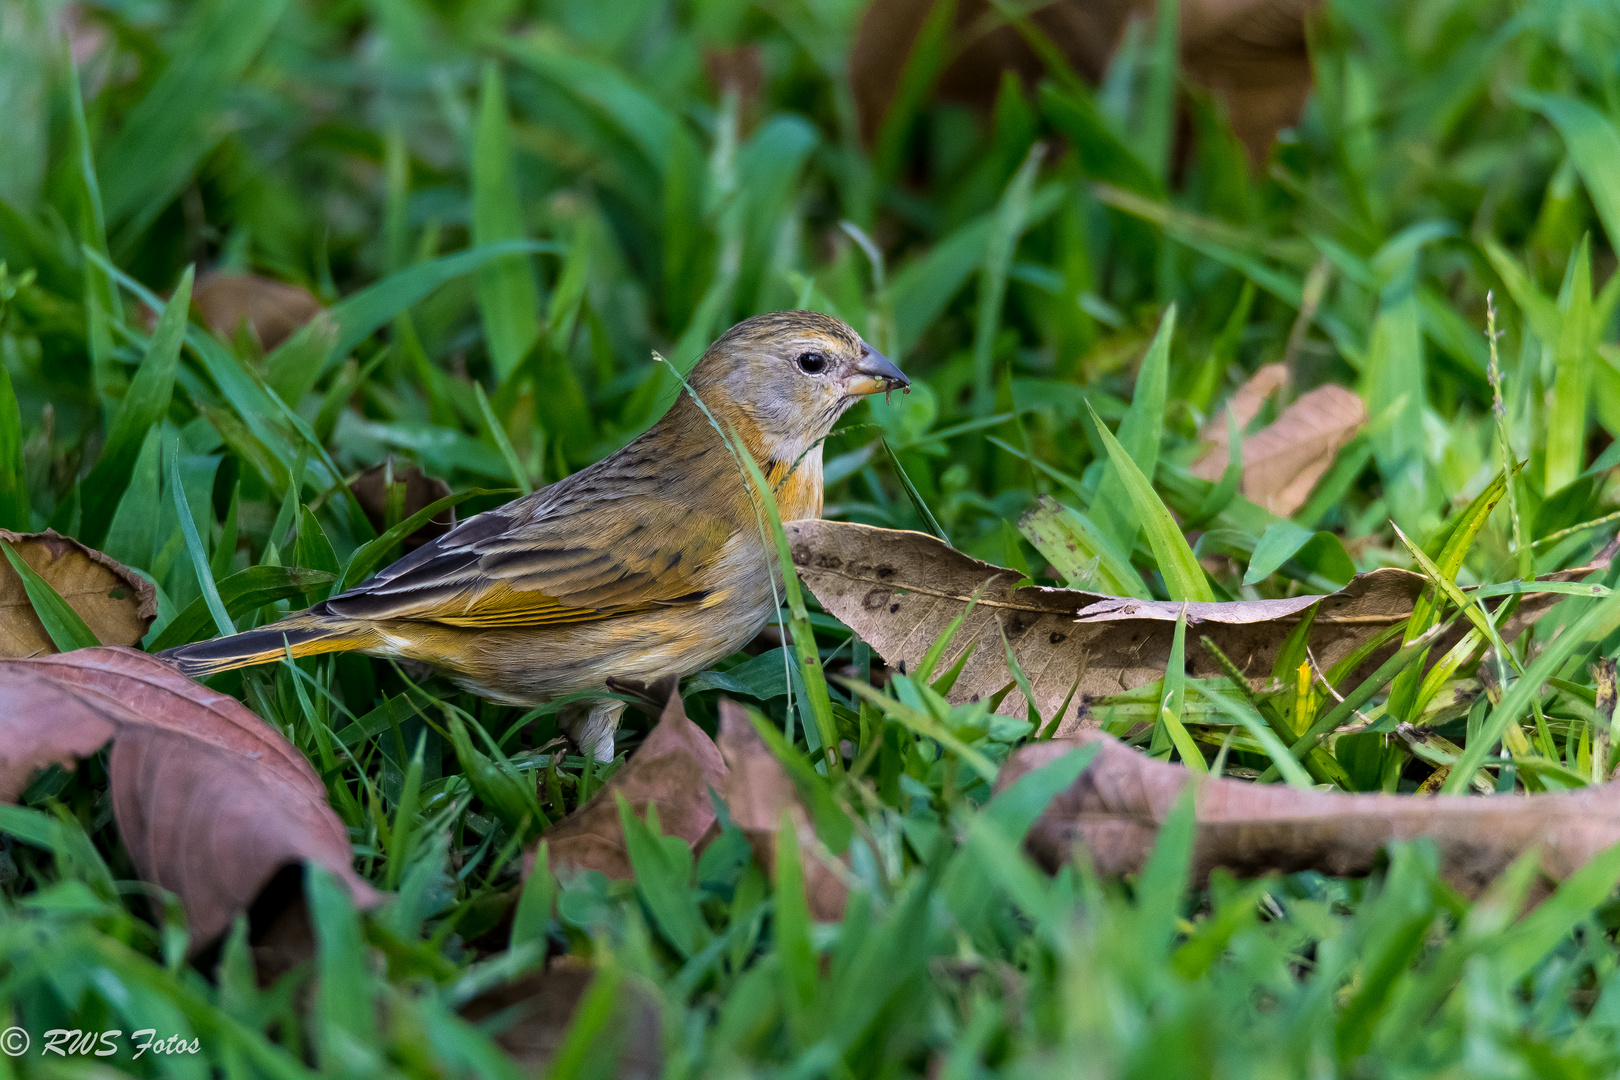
[654, 562]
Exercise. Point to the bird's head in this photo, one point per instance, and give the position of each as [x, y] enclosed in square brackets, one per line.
[790, 375]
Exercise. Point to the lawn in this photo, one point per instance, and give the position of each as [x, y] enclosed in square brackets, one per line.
[285, 285]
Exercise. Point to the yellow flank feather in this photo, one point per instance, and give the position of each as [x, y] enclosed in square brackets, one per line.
[647, 564]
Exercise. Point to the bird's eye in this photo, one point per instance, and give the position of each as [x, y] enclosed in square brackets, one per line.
[812, 363]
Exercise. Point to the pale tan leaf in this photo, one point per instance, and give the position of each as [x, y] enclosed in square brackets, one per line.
[1246, 402]
[1283, 461]
[115, 602]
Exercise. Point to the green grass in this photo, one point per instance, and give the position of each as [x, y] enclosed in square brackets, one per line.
[509, 205]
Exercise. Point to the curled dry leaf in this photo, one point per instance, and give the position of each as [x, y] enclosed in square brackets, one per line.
[900, 590]
[210, 800]
[115, 602]
[673, 770]
[758, 791]
[1115, 808]
[270, 309]
[1283, 461]
[421, 490]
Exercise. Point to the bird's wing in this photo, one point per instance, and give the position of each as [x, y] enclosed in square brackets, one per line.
[527, 564]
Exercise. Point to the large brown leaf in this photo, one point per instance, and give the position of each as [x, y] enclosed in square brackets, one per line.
[900, 590]
[1283, 461]
[210, 800]
[115, 602]
[673, 769]
[1115, 808]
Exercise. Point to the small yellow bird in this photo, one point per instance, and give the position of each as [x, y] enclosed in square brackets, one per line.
[648, 564]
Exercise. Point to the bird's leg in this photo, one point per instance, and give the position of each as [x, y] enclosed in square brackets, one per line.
[591, 725]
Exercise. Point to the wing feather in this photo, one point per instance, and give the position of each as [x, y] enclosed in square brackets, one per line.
[550, 559]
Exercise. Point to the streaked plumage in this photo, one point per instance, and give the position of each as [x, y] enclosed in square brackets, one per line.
[647, 564]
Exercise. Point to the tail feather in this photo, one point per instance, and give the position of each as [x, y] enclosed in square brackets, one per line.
[304, 635]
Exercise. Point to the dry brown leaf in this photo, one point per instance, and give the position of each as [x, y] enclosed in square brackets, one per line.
[1115, 808]
[900, 590]
[271, 309]
[421, 490]
[1246, 402]
[673, 769]
[210, 800]
[538, 1008]
[758, 791]
[1283, 461]
[115, 602]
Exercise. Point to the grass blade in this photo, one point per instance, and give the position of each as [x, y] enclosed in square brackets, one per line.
[145, 406]
[1594, 145]
[1079, 551]
[1011, 218]
[1140, 433]
[1183, 577]
[1283, 759]
[1566, 414]
[508, 293]
[1595, 623]
[804, 636]
[1406, 655]
[520, 475]
[199, 556]
[14, 510]
[914, 495]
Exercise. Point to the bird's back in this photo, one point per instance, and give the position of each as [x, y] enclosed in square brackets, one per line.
[651, 560]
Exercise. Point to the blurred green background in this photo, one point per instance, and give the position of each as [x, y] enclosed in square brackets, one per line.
[1015, 260]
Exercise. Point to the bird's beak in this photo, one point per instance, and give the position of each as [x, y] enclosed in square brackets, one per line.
[875, 374]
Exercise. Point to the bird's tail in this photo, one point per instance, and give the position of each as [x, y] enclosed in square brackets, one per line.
[305, 634]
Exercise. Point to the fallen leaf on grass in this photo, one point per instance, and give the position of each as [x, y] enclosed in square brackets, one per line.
[530, 1017]
[758, 791]
[271, 310]
[1283, 461]
[1247, 401]
[115, 602]
[1115, 808]
[900, 590]
[421, 490]
[674, 769]
[210, 800]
